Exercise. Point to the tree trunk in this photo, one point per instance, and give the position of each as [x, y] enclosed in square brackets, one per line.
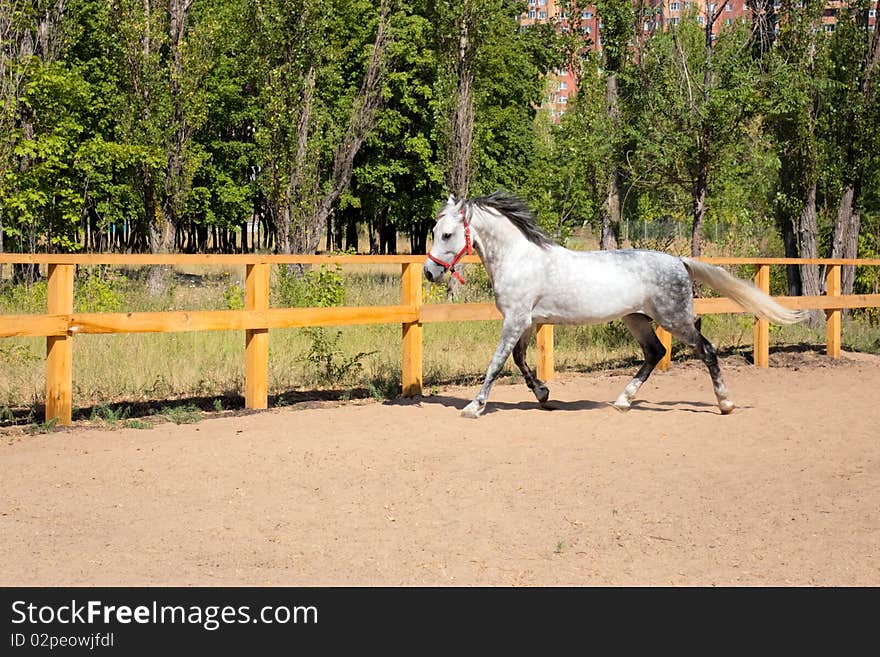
[610, 233]
[808, 244]
[176, 177]
[790, 245]
[845, 233]
[700, 190]
[286, 216]
[373, 230]
[459, 172]
[361, 121]
[351, 234]
[808, 247]
[845, 236]
[388, 234]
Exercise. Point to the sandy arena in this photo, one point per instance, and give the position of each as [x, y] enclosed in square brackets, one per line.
[785, 491]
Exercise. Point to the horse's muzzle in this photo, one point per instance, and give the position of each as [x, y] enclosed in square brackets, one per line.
[430, 274]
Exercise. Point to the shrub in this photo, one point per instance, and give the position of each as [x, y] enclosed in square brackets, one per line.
[97, 293]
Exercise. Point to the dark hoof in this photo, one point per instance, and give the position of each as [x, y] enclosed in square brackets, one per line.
[542, 394]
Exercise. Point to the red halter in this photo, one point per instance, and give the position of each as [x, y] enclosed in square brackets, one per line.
[466, 249]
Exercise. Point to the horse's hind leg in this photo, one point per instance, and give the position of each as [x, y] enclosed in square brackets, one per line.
[690, 335]
[640, 326]
[542, 393]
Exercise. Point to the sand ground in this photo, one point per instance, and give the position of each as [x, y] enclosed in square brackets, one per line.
[785, 491]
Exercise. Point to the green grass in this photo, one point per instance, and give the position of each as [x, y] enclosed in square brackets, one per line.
[182, 414]
[113, 372]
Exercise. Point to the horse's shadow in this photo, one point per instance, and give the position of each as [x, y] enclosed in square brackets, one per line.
[638, 405]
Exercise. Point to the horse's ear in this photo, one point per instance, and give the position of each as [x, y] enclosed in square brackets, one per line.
[450, 200]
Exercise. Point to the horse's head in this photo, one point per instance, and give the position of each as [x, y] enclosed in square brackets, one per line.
[452, 240]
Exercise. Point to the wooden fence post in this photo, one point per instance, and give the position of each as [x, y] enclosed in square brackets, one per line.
[411, 295]
[59, 348]
[544, 347]
[832, 316]
[665, 338]
[761, 354]
[256, 369]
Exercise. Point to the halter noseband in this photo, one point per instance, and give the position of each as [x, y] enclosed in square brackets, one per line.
[466, 249]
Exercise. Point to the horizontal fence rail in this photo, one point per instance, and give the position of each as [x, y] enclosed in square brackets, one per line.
[60, 323]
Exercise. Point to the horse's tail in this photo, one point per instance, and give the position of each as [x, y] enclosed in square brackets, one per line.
[743, 292]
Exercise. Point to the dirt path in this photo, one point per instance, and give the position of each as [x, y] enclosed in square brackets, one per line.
[786, 491]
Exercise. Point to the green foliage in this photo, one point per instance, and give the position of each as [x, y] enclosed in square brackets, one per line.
[42, 427]
[331, 364]
[322, 287]
[386, 386]
[112, 130]
[867, 279]
[21, 298]
[183, 414]
[234, 297]
[136, 424]
[109, 415]
[317, 288]
[98, 293]
[16, 354]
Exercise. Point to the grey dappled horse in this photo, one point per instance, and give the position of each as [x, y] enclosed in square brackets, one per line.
[539, 282]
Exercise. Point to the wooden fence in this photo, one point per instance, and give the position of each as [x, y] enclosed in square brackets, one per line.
[60, 323]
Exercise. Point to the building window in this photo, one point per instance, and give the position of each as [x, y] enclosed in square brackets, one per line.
[542, 14]
[563, 84]
[586, 29]
[532, 14]
[675, 6]
[728, 7]
[673, 21]
[829, 27]
[728, 21]
[563, 71]
[688, 5]
[587, 15]
[563, 100]
[872, 13]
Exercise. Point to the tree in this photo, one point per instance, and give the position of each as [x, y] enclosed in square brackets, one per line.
[399, 175]
[618, 17]
[42, 123]
[855, 54]
[794, 80]
[320, 93]
[693, 100]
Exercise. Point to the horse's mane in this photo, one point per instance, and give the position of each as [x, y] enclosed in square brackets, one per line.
[517, 212]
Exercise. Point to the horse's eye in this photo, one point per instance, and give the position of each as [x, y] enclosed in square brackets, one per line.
[446, 236]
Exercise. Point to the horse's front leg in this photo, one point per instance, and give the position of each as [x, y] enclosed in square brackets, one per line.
[511, 331]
